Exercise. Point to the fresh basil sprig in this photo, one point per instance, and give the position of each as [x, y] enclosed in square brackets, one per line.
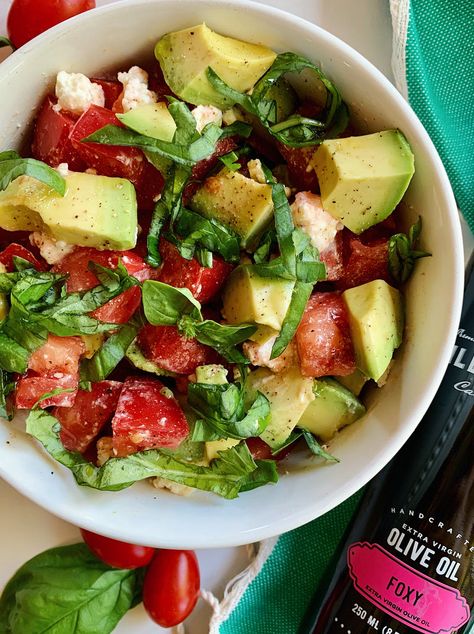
[223, 411]
[12, 166]
[65, 590]
[316, 448]
[402, 253]
[226, 476]
[298, 261]
[295, 131]
[13, 357]
[7, 385]
[165, 305]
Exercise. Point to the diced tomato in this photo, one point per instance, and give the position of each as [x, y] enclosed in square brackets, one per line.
[297, 159]
[149, 186]
[264, 145]
[30, 389]
[17, 250]
[81, 279]
[174, 352]
[333, 258]
[51, 137]
[223, 146]
[364, 262]
[107, 160]
[81, 423]
[147, 417]
[58, 355]
[261, 451]
[120, 309]
[323, 337]
[111, 88]
[203, 282]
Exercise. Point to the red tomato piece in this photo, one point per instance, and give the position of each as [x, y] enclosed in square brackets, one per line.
[30, 389]
[171, 587]
[157, 83]
[80, 278]
[149, 186]
[111, 88]
[261, 451]
[364, 262]
[116, 553]
[28, 18]
[147, 417]
[58, 355]
[81, 423]
[17, 250]
[51, 137]
[203, 282]
[323, 337]
[120, 309]
[223, 146]
[107, 160]
[297, 159]
[174, 352]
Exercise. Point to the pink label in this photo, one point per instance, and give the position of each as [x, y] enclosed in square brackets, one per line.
[410, 596]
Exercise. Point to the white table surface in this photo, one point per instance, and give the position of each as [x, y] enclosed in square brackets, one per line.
[26, 529]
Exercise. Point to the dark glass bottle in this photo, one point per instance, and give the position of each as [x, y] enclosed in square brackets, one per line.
[408, 562]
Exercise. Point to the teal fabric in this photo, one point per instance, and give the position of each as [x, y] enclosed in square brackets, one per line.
[440, 77]
[277, 599]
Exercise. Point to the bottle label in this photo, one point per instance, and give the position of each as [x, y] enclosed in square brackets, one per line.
[408, 595]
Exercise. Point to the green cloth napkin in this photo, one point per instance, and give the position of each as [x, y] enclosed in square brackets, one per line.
[439, 65]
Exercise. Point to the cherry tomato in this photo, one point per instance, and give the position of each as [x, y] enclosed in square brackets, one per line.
[117, 554]
[28, 18]
[171, 586]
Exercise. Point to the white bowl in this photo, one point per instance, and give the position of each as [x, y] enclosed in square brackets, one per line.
[116, 34]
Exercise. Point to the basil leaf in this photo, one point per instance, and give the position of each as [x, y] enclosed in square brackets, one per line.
[230, 161]
[186, 131]
[65, 590]
[187, 155]
[299, 298]
[167, 208]
[265, 473]
[12, 166]
[225, 476]
[295, 131]
[316, 448]
[221, 411]
[164, 305]
[224, 338]
[203, 432]
[109, 355]
[262, 253]
[4, 41]
[17, 330]
[207, 233]
[402, 254]
[6, 387]
[238, 128]
[13, 357]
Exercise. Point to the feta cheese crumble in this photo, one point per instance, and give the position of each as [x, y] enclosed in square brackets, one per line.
[135, 89]
[259, 354]
[76, 92]
[309, 215]
[51, 250]
[256, 171]
[205, 115]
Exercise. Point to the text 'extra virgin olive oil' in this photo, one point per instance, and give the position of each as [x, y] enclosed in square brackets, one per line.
[408, 562]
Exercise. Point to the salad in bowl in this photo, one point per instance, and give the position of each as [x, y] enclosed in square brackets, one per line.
[205, 250]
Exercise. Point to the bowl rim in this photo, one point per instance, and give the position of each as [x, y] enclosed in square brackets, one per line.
[68, 512]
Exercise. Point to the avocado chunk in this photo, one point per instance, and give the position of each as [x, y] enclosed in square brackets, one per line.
[151, 119]
[238, 202]
[138, 359]
[96, 211]
[334, 407]
[289, 394]
[212, 374]
[354, 382]
[247, 297]
[376, 319]
[363, 178]
[184, 57]
[214, 446]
